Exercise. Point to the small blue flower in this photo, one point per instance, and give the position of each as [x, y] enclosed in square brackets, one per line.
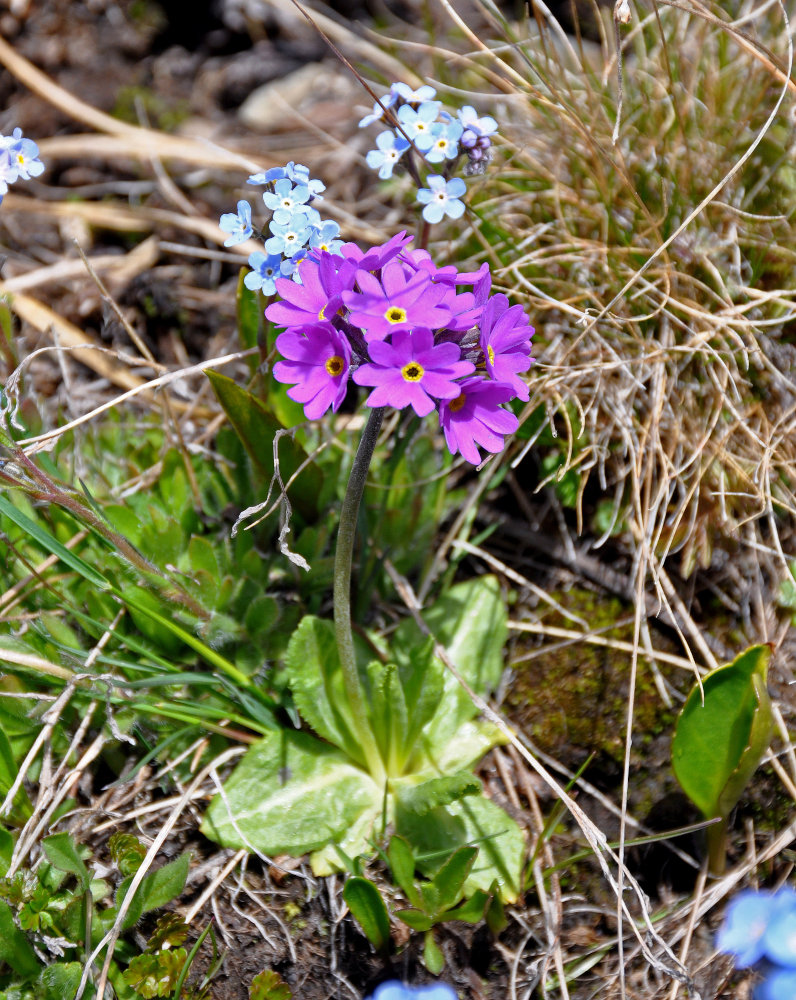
[290, 230]
[441, 197]
[474, 127]
[391, 148]
[266, 270]
[445, 141]
[747, 921]
[385, 102]
[779, 940]
[417, 124]
[395, 990]
[324, 237]
[238, 226]
[22, 157]
[424, 93]
[286, 196]
[779, 984]
[267, 176]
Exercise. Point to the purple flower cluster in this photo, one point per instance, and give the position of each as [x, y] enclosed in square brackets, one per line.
[19, 160]
[393, 321]
[760, 929]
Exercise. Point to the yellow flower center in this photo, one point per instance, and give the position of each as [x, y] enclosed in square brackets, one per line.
[321, 313]
[335, 365]
[395, 315]
[412, 372]
[491, 354]
[454, 405]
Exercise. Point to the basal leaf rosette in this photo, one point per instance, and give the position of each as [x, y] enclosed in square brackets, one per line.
[311, 790]
[415, 334]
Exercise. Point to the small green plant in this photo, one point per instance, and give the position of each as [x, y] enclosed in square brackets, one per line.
[63, 901]
[433, 901]
[294, 792]
[269, 985]
[723, 731]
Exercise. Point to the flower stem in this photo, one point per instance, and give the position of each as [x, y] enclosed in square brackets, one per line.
[343, 556]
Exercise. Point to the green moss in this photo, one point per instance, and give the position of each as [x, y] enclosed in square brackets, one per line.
[162, 114]
[573, 700]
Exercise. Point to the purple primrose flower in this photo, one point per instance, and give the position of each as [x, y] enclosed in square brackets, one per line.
[396, 302]
[318, 363]
[505, 342]
[393, 321]
[412, 369]
[318, 297]
[476, 417]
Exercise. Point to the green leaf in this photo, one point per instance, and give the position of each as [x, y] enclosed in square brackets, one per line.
[467, 746]
[718, 745]
[415, 919]
[433, 959]
[61, 851]
[476, 821]
[388, 714]
[22, 807]
[6, 850]
[60, 981]
[127, 852]
[155, 975]
[470, 622]
[269, 985]
[402, 866]
[501, 846]
[250, 315]
[422, 798]
[315, 679]
[156, 889]
[423, 682]
[367, 907]
[14, 947]
[472, 910]
[449, 880]
[257, 427]
[51, 544]
[160, 887]
[292, 793]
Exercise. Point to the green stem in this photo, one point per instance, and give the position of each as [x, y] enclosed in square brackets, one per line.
[717, 847]
[343, 557]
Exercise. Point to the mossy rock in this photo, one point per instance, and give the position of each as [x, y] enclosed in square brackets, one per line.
[573, 701]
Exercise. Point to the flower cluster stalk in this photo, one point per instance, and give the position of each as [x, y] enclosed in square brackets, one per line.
[344, 553]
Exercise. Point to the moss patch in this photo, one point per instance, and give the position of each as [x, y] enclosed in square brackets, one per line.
[572, 700]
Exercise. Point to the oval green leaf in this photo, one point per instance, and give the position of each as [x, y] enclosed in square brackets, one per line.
[367, 907]
[721, 737]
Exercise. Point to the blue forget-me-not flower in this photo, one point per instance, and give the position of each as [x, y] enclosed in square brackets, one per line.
[442, 197]
[390, 149]
[238, 226]
[759, 929]
[266, 269]
[393, 989]
[19, 160]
